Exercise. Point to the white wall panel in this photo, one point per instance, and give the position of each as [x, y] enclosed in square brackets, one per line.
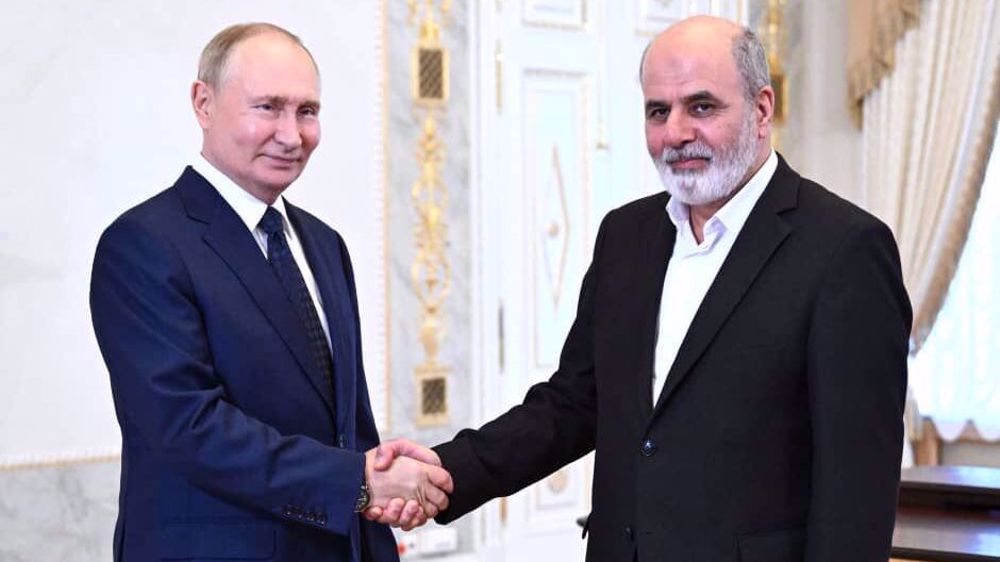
[95, 119]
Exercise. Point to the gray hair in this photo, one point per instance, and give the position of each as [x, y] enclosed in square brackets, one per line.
[216, 54]
[751, 60]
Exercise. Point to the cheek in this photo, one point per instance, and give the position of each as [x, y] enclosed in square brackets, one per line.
[253, 133]
[654, 143]
[721, 136]
[311, 135]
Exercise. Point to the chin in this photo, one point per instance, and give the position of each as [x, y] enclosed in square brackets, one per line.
[280, 179]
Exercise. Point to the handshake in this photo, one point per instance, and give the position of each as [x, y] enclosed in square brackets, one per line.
[406, 484]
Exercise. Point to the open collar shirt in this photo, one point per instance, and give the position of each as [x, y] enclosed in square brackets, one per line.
[693, 266]
[251, 210]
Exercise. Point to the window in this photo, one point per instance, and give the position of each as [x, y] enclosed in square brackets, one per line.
[955, 377]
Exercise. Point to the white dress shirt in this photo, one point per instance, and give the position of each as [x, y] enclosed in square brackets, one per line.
[251, 210]
[693, 266]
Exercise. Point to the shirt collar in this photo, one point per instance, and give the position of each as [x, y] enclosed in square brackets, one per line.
[247, 207]
[735, 212]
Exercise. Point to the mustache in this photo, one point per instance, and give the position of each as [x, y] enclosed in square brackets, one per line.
[694, 150]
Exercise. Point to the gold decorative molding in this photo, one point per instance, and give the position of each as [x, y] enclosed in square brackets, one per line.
[384, 152]
[775, 35]
[431, 271]
[57, 461]
[430, 64]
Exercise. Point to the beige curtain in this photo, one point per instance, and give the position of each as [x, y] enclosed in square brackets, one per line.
[928, 130]
[874, 28]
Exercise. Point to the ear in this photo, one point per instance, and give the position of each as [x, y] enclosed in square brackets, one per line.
[202, 98]
[764, 109]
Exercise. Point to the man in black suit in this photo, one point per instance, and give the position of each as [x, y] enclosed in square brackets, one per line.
[738, 359]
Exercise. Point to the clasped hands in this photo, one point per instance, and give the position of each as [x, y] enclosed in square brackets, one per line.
[406, 484]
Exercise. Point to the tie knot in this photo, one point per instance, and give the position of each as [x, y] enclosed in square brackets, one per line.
[271, 223]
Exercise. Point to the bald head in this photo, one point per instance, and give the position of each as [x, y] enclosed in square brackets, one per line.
[719, 39]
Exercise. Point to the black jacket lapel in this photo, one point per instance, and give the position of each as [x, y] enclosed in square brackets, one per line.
[228, 236]
[651, 269]
[761, 235]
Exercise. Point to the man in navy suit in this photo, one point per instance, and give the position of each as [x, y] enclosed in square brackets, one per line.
[228, 320]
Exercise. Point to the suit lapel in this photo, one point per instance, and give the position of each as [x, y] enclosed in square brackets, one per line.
[228, 236]
[328, 267]
[761, 235]
[651, 269]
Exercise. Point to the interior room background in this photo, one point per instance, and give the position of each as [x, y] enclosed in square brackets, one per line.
[469, 201]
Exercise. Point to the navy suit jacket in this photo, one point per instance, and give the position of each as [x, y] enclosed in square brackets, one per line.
[233, 445]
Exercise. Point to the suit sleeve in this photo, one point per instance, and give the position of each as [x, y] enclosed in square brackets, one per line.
[857, 359]
[553, 426]
[170, 400]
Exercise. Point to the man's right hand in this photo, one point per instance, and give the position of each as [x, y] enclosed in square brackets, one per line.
[406, 483]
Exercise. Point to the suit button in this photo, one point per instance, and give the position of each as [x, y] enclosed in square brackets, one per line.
[628, 531]
[342, 441]
[648, 448]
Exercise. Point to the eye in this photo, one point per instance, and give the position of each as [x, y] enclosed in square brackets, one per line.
[657, 113]
[702, 108]
[266, 106]
[309, 111]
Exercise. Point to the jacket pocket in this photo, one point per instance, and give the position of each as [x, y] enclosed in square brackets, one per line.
[786, 545]
[237, 540]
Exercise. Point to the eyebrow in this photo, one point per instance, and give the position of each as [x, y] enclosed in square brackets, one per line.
[703, 95]
[700, 96]
[281, 100]
[656, 104]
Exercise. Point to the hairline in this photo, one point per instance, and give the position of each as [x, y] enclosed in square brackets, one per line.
[216, 58]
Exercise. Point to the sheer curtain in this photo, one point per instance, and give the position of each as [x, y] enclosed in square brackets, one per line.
[956, 374]
[927, 135]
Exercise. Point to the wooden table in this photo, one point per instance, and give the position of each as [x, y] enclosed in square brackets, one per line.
[948, 514]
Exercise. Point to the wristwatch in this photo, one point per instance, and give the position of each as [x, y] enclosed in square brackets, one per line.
[364, 498]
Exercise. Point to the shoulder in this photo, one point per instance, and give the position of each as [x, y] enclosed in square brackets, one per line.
[822, 210]
[637, 211]
[155, 230]
[306, 220]
[327, 240]
[154, 216]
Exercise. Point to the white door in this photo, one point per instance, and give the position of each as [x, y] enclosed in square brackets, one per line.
[558, 143]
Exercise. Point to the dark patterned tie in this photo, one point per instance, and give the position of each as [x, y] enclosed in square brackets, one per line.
[290, 276]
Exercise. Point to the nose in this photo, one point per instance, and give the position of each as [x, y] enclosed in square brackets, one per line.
[678, 130]
[287, 132]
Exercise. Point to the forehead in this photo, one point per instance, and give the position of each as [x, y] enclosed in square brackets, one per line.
[271, 64]
[679, 66]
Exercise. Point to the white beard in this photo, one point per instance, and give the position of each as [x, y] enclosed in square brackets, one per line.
[720, 178]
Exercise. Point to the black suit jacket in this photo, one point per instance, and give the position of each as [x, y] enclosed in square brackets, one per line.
[778, 434]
